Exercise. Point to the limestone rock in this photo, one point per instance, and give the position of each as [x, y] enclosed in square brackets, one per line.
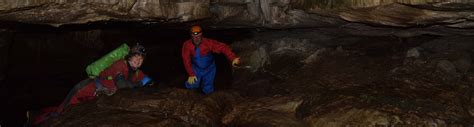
[272, 111]
[261, 13]
[368, 117]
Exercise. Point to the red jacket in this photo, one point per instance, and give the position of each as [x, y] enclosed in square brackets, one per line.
[207, 46]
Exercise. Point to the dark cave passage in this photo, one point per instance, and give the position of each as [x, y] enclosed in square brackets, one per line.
[43, 63]
[288, 77]
[304, 63]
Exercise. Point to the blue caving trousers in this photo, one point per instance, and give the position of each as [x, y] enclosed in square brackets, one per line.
[204, 68]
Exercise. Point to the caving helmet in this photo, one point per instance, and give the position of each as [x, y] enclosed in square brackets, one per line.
[136, 50]
[195, 29]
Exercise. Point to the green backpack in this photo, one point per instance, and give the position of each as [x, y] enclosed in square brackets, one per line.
[93, 70]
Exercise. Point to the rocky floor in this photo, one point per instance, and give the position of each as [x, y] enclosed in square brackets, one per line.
[311, 80]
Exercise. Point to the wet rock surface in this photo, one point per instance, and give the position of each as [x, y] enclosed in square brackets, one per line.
[266, 111]
[148, 107]
[310, 78]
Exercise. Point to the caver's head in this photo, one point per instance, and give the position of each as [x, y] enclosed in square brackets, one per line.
[135, 56]
[196, 34]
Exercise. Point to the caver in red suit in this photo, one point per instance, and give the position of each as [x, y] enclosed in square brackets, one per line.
[199, 60]
[123, 73]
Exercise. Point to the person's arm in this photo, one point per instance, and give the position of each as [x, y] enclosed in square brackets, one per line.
[144, 80]
[219, 47]
[116, 72]
[138, 79]
[138, 76]
[106, 81]
[121, 82]
[111, 73]
[186, 54]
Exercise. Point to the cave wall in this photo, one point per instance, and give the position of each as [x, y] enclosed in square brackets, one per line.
[57, 12]
[238, 13]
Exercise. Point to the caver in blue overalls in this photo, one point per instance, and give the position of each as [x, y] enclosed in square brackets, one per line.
[204, 68]
[199, 61]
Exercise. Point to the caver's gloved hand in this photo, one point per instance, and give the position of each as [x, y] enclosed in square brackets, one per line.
[146, 81]
[235, 62]
[192, 79]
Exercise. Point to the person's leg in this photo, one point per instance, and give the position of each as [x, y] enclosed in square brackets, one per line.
[208, 80]
[82, 89]
[44, 115]
[71, 97]
[79, 95]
